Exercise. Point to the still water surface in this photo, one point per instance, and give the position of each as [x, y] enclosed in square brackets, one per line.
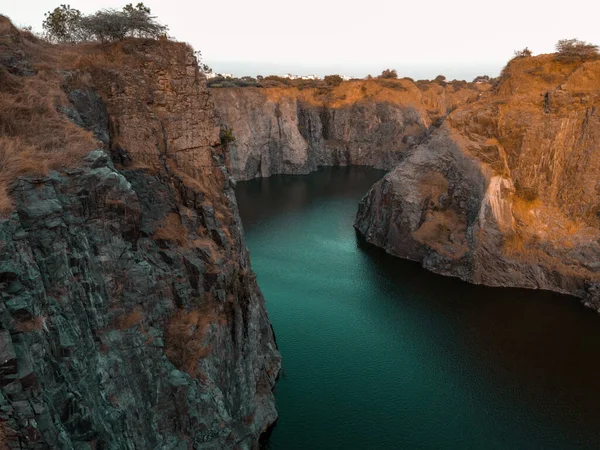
[381, 354]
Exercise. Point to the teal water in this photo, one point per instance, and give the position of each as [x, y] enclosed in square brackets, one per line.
[381, 354]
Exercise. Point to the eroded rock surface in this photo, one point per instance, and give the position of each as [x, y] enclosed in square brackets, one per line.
[371, 123]
[506, 192]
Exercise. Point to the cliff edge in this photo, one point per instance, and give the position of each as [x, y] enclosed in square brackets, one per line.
[130, 316]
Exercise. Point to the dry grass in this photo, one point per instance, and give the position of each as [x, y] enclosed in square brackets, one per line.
[36, 324]
[130, 320]
[171, 229]
[34, 135]
[185, 336]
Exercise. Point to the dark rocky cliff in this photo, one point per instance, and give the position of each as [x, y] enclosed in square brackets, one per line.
[506, 192]
[130, 317]
[371, 123]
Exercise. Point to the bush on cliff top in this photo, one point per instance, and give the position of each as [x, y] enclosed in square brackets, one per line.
[388, 73]
[576, 49]
[333, 80]
[525, 53]
[69, 25]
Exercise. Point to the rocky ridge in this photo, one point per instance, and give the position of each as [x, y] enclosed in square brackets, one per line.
[130, 316]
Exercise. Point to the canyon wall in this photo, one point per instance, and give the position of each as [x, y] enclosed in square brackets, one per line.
[506, 192]
[362, 122]
[130, 317]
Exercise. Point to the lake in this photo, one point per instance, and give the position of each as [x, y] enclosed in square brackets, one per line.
[378, 353]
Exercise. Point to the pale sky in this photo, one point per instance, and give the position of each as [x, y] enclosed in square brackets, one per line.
[459, 39]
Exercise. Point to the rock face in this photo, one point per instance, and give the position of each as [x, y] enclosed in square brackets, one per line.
[130, 316]
[291, 131]
[506, 192]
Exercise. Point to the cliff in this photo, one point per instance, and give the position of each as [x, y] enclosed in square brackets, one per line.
[363, 122]
[506, 192]
[129, 314]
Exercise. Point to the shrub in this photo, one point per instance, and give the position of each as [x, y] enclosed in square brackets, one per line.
[389, 73]
[441, 80]
[576, 49]
[333, 80]
[222, 82]
[481, 79]
[276, 79]
[226, 136]
[459, 84]
[525, 53]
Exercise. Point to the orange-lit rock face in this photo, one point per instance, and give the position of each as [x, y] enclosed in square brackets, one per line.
[287, 130]
[522, 169]
[545, 123]
[160, 99]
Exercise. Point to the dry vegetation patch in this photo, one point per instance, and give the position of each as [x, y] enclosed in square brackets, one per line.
[35, 135]
[185, 337]
[172, 229]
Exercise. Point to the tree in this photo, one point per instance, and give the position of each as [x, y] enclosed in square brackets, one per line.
[389, 73]
[142, 24]
[576, 49]
[110, 24]
[65, 24]
[333, 80]
[62, 24]
[106, 25]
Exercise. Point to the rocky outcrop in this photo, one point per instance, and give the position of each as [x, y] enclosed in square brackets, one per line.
[129, 314]
[371, 123]
[506, 192]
